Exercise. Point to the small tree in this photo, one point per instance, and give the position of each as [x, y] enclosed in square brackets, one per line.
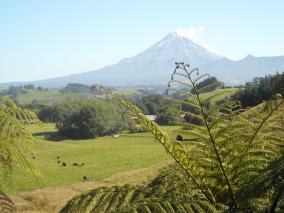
[94, 119]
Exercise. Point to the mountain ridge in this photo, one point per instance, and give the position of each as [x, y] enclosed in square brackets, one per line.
[155, 64]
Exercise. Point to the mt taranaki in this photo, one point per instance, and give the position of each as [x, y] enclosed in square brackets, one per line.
[155, 64]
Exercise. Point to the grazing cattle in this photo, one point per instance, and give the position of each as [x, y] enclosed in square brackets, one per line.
[85, 178]
[58, 161]
[179, 138]
[75, 164]
[64, 164]
[58, 157]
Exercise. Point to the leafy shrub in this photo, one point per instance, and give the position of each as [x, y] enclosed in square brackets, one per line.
[94, 119]
[137, 129]
[58, 112]
[168, 117]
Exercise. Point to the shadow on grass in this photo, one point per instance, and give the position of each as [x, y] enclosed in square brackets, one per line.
[50, 136]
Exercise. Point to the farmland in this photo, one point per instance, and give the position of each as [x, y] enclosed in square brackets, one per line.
[103, 157]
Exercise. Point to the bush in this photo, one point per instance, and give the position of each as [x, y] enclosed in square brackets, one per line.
[58, 112]
[94, 119]
[138, 130]
[168, 117]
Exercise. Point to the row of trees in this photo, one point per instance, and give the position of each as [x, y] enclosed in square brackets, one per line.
[261, 89]
[90, 119]
[15, 91]
[76, 88]
[160, 106]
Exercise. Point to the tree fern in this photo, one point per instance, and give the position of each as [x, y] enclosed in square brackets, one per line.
[15, 139]
[15, 145]
[6, 204]
[231, 146]
[168, 192]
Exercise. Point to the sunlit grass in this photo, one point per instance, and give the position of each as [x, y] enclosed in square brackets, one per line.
[103, 157]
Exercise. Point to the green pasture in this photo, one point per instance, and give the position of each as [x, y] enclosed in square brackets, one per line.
[103, 157]
[49, 97]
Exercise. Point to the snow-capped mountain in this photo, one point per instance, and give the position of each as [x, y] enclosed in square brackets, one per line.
[154, 66]
[175, 48]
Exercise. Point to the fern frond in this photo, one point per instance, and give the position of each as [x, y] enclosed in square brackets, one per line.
[16, 141]
[214, 97]
[168, 206]
[6, 204]
[205, 88]
[188, 113]
[179, 156]
[169, 191]
[103, 199]
[187, 103]
[225, 153]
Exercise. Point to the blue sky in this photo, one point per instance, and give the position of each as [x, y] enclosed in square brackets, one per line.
[48, 38]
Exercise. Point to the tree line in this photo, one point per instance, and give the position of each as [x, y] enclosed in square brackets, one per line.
[260, 89]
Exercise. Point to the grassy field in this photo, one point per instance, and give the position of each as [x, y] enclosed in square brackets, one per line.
[49, 97]
[103, 157]
[231, 91]
[52, 199]
[53, 96]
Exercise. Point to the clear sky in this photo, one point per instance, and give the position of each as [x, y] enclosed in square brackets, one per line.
[48, 38]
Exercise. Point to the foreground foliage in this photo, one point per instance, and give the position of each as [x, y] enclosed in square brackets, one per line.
[6, 204]
[168, 192]
[15, 144]
[233, 164]
[16, 141]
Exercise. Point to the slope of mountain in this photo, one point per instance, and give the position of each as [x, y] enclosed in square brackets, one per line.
[153, 66]
[235, 72]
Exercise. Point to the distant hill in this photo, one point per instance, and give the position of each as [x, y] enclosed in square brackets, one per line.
[243, 70]
[154, 66]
